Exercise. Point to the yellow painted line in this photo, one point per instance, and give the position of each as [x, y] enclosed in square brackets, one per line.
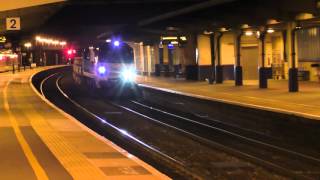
[38, 170]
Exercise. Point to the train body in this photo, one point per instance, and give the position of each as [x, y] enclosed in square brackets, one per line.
[106, 66]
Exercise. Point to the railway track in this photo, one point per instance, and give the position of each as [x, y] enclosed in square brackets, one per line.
[285, 161]
[177, 169]
[239, 143]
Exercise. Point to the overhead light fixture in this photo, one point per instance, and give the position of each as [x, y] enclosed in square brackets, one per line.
[174, 42]
[63, 43]
[183, 38]
[272, 21]
[245, 26]
[258, 34]
[169, 38]
[27, 45]
[223, 29]
[270, 30]
[207, 32]
[50, 41]
[248, 33]
[304, 16]
[108, 40]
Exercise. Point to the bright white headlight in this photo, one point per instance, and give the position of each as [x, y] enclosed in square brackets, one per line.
[128, 74]
[101, 70]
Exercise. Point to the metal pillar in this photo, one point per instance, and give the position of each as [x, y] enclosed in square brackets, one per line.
[213, 63]
[158, 66]
[160, 55]
[219, 71]
[238, 68]
[293, 70]
[284, 37]
[170, 57]
[263, 79]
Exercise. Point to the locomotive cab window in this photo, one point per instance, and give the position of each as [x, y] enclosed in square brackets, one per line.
[107, 53]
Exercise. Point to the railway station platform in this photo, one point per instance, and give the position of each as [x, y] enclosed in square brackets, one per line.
[276, 98]
[39, 141]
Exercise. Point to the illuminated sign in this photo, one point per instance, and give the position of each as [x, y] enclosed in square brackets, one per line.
[13, 23]
[176, 40]
[3, 39]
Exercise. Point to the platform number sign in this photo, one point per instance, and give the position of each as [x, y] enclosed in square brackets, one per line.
[13, 23]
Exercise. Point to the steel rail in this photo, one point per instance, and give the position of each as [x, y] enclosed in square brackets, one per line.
[310, 158]
[168, 159]
[280, 169]
[270, 165]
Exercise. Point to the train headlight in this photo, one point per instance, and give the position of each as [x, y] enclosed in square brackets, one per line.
[102, 70]
[128, 74]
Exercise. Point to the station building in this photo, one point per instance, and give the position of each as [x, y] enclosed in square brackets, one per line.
[287, 50]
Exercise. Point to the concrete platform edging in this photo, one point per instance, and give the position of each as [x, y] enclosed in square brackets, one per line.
[277, 110]
[282, 126]
[97, 136]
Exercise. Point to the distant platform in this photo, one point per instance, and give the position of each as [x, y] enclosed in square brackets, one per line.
[39, 141]
[276, 98]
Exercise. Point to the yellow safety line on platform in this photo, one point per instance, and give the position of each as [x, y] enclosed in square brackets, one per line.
[38, 170]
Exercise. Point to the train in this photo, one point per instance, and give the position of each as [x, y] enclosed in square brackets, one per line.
[107, 67]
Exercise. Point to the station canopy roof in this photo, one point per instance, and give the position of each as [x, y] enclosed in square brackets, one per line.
[85, 20]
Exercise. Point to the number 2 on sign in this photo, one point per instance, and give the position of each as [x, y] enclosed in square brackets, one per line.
[13, 23]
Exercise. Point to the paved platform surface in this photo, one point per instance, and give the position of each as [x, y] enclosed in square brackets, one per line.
[305, 103]
[37, 141]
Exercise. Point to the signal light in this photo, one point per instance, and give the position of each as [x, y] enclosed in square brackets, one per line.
[70, 53]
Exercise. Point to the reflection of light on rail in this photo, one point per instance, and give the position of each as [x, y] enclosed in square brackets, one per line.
[125, 133]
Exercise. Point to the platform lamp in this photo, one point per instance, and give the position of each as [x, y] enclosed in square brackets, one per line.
[27, 45]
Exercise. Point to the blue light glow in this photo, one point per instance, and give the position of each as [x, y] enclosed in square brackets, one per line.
[101, 70]
[170, 46]
[116, 43]
[128, 74]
